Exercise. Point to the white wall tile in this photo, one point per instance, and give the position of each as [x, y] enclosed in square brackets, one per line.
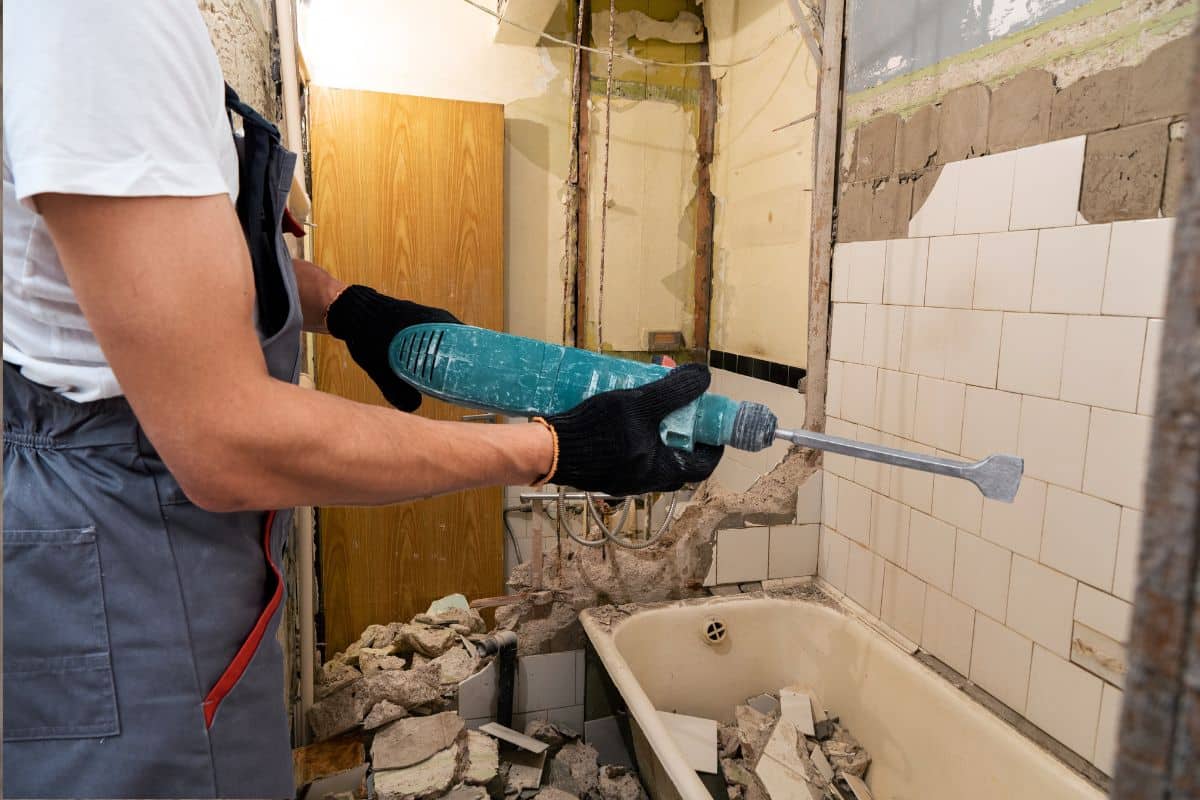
[985, 187]
[947, 628]
[846, 336]
[864, 578]
[1017, 525]
[981, 572]
[1041, 605]
[833, 388]
[872, 474]
[931, 550]
[1031, 353]
[1069, 272]
[1046, 184]
[1064, 701]
[832, 556]
[990, 422]
[973, 349]
[1099, 654]
[1080, 536]
[545, 681]
[935, 217]
[1004, 271]
[950, 281]
[910, 486]
[958, 502]
[839, 279]
[1000, 662]
[865, 282]
[854, 512]
[858, 393]
[838, 464]
[742, 554]
[1107, 614]
[923, 349]
[1108, 728]
[793, 551]
[881, 340]
[889, 529]
[808, 500]
[1130, 537]
[1102, 360]
[829, 493]
[1117, 457]
[905, 263]
[903, 601]
[1139, 259]
[895, 402]
[1053, 439]
[939, 413]
[1148, 385]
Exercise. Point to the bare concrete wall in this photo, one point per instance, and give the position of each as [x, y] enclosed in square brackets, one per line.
[242, 35]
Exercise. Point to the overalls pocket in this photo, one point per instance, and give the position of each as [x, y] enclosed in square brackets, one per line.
[58, 678]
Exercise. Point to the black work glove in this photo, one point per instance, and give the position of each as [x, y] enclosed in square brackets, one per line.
[367, 321]
[610, 442]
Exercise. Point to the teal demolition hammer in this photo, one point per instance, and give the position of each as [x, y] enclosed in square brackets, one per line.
[516, 376]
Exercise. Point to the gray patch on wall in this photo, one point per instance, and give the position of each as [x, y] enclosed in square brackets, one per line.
[887, 38]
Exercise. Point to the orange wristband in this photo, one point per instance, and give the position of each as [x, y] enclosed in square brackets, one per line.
[554, 462]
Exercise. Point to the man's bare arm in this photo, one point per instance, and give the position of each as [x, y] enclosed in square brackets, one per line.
[167, 287]
[317, 290]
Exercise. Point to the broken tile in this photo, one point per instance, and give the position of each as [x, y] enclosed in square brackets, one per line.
[514, 737]
[822, 764]
[796, 708]
[524, 770]
[765, 704]
[857, 786]
[1099, 654]
[696, 738]
[484, 755]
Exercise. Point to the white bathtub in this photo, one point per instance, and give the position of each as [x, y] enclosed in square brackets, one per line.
[927, 739]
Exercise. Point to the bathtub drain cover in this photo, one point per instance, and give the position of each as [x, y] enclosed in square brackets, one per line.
[714, 631]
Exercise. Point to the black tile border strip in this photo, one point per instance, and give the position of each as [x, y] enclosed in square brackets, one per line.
[760, 368]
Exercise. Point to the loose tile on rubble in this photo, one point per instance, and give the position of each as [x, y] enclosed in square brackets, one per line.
[822, 764]
[796, 707]
[514, 737]
[524, 770]
[856, 784]
[696, 738]
[410, 741]
[766, 703]
[483, 754]
[754, 729]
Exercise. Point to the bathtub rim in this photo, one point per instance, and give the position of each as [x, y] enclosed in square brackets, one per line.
[602, 632]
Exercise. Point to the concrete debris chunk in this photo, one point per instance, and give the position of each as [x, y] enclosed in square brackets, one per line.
[550, 733]
[430, 778]
[428, 641]
[620, 783]
[845, 753]
[334, 675]
[483, 755]
[372, 660]
[728, 742]
[575, 769]
[450, 601]
[456, 665]
[410, 741]
[382, 713]
[754, 729]
[346, 708]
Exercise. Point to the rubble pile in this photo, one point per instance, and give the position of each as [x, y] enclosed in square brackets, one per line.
[790, 749]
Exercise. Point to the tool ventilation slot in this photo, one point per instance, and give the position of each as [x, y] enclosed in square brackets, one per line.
[418, 354]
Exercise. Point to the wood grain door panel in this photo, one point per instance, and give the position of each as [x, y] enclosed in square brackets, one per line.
[407, 199]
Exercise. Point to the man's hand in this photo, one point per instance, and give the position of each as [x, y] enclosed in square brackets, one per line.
[610, 442]
[367, 321]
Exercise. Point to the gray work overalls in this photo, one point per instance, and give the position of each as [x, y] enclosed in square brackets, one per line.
[140, 657]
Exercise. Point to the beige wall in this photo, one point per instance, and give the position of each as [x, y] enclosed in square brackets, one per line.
[762, 180]
[241, 32]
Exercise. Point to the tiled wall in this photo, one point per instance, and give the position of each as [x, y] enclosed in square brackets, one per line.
[1001, 323]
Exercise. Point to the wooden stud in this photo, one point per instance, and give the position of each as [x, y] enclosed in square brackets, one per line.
[829, 93]
[705, 206]
[582, 158]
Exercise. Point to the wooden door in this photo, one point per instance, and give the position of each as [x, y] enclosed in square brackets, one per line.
[408, 199]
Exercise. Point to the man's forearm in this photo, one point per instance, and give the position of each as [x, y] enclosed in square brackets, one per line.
[317, 290]
[279, 445]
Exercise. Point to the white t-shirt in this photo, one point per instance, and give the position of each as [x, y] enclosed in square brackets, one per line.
[118, 99]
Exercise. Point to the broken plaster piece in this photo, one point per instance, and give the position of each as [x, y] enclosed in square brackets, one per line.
[796, 707]
[686, 28]
[766, 703]
[410, 741]
[822, 764]
[429, 778]
[484, 758]
[696, 738]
